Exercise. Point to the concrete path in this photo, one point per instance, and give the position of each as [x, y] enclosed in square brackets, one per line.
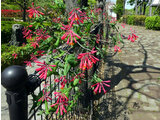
[137, 71]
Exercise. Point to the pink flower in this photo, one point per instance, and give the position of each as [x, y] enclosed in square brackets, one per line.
[27, 33]
[33, 57]
[40, 53]
[132, 38]
[41, 35]
[30, 26]
[28, 63]
[75, 16]
[116, 48]
[43, 69]
[71, 35]
[123, 25]
[45, 94]
[33, 11]
[87, 59]
[99, 85]
[15, 55]
[62, 101]
[34, 44]
[78, 76]
[63, 81]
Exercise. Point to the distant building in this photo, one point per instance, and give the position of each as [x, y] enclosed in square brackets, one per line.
[109, 7]
[153, 3]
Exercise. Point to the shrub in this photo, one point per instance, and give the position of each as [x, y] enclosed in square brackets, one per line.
[9, 6]
[153, 22]
[6, 30]
[134, 19]
[23, 53]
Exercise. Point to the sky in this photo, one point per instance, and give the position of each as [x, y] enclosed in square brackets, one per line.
[127, 6]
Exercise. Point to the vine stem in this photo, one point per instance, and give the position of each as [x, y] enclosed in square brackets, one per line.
[83, 46]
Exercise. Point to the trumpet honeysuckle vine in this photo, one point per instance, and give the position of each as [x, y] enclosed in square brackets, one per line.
[75, 32]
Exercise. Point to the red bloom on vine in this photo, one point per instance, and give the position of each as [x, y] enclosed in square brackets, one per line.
[78, 76]
[33, 12]
[76, 16]
[45, 94]
[41, 35]
[87, 59]
[33, 57]
[15, 55]
[100, 85]
[62, 80]
[27, 33]
[116, 48]
[43, 69]
[62, 101]
[28, 63]
[34, 44]
[40, 53]
[71, 35]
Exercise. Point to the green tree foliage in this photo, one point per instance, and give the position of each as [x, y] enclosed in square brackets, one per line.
[118, 9]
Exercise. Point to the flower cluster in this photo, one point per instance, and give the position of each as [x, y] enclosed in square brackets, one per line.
[62, 80]
[87, 60]
[33, 12]
[11, 13]
[43, 69]
[100, 85]
[62, 101]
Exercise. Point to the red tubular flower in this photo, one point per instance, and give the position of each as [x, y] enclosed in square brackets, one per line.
[99, 85]
[40, 53]
[87, 59]
[27, 33]
[43, 69]
[45, 96]
[78, 76]
[33, 57]
[71, 35]
[123, 25]
[75, 15]
[116, 48]
[15, 55]
[41, 35]
[33, 12]
[28, 63]
[63, 81]
[34, 44]
[62, 101]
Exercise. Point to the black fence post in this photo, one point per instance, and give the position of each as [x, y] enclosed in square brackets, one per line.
[14, 79]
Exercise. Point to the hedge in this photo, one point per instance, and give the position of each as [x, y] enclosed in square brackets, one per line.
[23, 54]
[6, 30]
[153, 22]
[134, 19]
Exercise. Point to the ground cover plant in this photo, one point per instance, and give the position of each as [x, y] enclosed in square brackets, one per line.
[72, 47]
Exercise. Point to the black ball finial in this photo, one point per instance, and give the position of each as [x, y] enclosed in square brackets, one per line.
[14, 77]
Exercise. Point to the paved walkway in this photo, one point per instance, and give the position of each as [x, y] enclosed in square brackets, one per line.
[137, 69]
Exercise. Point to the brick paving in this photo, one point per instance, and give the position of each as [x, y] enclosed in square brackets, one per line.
[138, 86]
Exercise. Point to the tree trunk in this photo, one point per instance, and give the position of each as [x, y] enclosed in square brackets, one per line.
[144, 8]
[70, 4]
[24, 10]
[84, 3]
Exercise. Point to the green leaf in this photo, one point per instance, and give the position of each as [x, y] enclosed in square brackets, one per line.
[46, 108]
[57, 42]
[75, 82]
[72, 60]
[76, 88]
[120, 38]
[67, 67]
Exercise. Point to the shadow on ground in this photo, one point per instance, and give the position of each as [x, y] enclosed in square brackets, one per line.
[113, 106]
